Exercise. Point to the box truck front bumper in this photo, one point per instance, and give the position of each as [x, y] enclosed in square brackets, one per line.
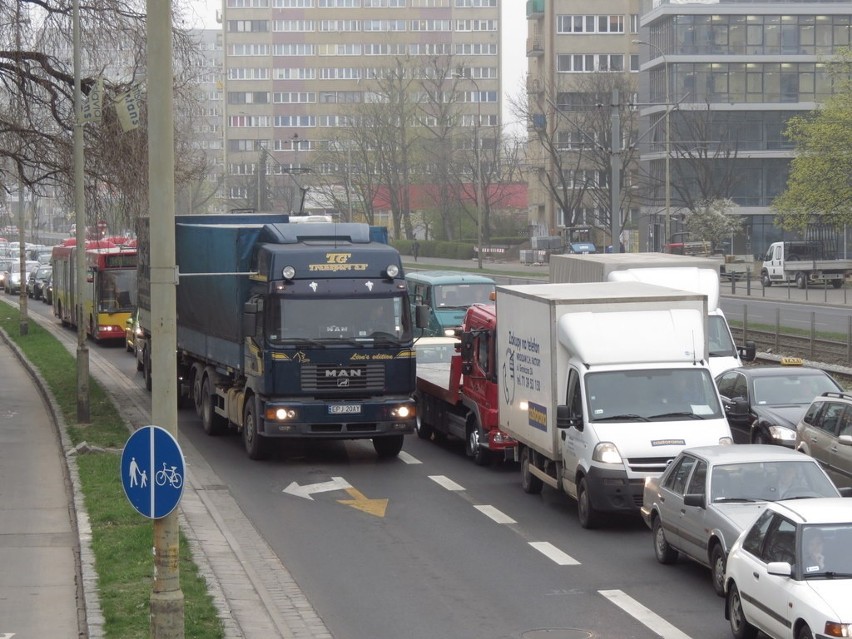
[611, 490]
[338, 419]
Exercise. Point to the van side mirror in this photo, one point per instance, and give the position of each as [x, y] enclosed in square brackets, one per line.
[422, 315]
[565, 419]
[748, 352]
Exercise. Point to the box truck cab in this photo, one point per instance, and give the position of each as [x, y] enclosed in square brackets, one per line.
[444, 297]
[603, 384]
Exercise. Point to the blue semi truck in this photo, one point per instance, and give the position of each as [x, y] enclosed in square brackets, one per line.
[289, 330]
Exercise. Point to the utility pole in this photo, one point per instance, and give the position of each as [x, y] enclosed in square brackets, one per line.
[83, 413]
[167, 603]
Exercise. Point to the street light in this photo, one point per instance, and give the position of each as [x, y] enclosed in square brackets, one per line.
[667, 223]
[477, 159]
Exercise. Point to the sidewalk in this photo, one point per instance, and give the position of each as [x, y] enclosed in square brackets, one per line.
[41, 592]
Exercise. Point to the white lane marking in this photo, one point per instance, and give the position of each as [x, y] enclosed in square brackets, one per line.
[554, 554]
[408, 459]
[446, 482]
[639, 612]
[336, 483]
[496, 515]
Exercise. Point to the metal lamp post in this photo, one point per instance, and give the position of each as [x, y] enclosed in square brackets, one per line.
[667, 223]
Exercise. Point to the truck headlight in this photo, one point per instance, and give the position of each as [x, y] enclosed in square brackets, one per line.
[279, 414]
[392, 270]
[606, 453]
[403, 412]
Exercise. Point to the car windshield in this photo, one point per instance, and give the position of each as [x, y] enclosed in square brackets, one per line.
[795, 388]
[358, 318]
[463, 295]
[824, 551]
[652, 395]
[769, 481]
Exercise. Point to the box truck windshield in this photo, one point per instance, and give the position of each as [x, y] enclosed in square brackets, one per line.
[650, 395]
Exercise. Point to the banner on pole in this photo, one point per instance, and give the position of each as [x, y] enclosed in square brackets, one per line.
[92, 107]
[127, 106]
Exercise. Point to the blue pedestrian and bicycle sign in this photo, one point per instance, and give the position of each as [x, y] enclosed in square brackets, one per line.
[152, 471]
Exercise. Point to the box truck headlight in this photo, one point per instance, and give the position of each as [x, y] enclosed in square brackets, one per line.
[403, 412]
[280, 414]
[288, 272]
[392, 271]
[606, 453]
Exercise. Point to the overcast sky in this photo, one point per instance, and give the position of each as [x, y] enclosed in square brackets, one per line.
[513, 20]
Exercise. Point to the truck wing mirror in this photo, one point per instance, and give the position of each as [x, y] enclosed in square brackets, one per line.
[565, 418]
[422, 315]
[748, 352]
[467, 368]
[249, 319]
[466, 347]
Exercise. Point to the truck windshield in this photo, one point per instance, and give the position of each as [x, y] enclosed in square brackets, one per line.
[721, 344]
[369, 319]
[462, 295]
[652, 395]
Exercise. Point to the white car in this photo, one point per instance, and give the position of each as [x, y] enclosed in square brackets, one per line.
[789, 574]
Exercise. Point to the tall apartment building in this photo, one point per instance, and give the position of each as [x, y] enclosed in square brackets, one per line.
[573, 49]
[737, 70]
[295, 69]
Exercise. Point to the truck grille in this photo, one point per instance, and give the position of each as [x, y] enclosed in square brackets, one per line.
[654, 465]
[333, 377]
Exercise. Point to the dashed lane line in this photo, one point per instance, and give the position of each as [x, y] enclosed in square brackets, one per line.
[642, 614]
[554, 554]
[408, 459]
[446, 482]
[495, 515]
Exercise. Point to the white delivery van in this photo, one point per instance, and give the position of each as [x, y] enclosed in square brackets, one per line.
[603, 384]
[685, 273]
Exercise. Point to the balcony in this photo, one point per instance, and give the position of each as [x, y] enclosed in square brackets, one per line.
[535, 46]
[535, 9]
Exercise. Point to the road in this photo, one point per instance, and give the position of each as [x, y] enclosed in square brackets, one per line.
[456, 551]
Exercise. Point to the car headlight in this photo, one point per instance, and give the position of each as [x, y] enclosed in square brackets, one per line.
[782, 433]
[606, 453]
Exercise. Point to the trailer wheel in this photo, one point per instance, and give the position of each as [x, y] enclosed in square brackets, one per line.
[197, 373]
[255, 443]
[764, 279]
[388, 446]
[801, 280]
[474, 447]
[530, 484]
[589, 517]
[212, 423]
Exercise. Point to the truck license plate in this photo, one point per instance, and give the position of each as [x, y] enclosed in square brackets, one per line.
[344, 409]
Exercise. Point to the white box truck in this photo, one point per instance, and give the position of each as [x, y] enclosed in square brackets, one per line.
[682, 272]
[603, 384]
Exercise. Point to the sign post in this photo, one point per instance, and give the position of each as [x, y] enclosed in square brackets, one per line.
[153, 472]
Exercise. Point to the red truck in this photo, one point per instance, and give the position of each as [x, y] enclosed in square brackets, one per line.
[459, 398]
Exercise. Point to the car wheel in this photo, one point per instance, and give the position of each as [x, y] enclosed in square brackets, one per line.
[589, 517]
[665, 553]
[740, 628]
[804, 633]
[717, 567]
[530, 484]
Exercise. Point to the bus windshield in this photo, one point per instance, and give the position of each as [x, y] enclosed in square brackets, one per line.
[116, 290]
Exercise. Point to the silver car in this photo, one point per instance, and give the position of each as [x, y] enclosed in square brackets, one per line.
[825, 433]
[710, 494]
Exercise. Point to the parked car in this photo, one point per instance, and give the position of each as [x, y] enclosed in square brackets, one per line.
[763, 404]
[47, 290]
[5, 265]
[825, 433]
[132, 331]
[789, 574]
[35, 282]
[709, 494]
[14, 281]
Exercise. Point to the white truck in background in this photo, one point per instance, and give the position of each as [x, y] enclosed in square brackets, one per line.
[804, 262]
[682, 272]
[603, 385]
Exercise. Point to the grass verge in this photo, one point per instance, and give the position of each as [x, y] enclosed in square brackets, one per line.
[121, 538]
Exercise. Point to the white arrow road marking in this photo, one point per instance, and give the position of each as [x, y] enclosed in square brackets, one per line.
[408, 459]
[636, 610]
[336, 483]
[554, 554]
[445, 482]
[495, 515]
